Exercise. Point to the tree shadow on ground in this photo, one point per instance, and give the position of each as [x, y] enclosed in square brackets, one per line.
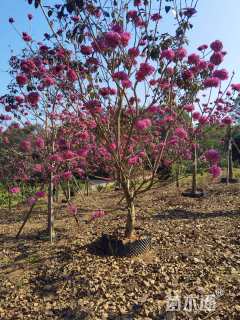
[94, 248]
[8, 218]
[136, 312]
[49, 282]
[34, 236]
[71, 314]
[28, 252]
[177, 214]
[76, 314]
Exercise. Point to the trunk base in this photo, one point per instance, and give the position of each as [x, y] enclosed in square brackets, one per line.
[231, 180]
[199, 193]
[110, 245]
[45, 235]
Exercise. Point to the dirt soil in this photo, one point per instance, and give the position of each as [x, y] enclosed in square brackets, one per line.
[195, 256]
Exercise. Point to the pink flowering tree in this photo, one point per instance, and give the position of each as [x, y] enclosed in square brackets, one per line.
[13, 165]
[231, 124]
[208, 101]
[37, 93]
[127, 77]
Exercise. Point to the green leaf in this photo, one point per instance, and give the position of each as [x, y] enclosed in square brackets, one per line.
[167, 8]
[106, 14]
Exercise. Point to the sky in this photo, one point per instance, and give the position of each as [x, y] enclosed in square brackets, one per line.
[216, 19]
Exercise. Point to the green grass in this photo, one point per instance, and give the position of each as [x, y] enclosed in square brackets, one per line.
[5, 261]
[33, 259]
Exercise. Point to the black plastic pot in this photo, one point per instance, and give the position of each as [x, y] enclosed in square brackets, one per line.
[198, 194]
[115, 247]
[233, 180]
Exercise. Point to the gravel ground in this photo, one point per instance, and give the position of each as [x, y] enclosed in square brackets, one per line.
[194, 257]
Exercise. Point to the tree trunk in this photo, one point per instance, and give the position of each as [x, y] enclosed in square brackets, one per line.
[230, 162]
[50, 210]
[117, 179]
[194, 172]
[177, 176]
[229, 157]
[87, 185]
[25, 220]
[68, 191]
[131, 220]
[22, 192]
[9, 201]
[56, 193]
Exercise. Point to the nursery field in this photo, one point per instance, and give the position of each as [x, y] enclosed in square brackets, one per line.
[194, 255]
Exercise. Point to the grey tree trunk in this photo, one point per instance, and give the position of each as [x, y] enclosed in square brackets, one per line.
[194, 172]
[87, 185]
[131, 220]
[9, 201]
[56, 194]
[51, 232]
[230, 162]
[25, 220]
[177, 175]
[68, 191]
[229, 157]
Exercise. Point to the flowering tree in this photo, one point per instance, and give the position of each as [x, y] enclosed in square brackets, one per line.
[40, 81]
[124, 74]
[12, 162]
[209, 102]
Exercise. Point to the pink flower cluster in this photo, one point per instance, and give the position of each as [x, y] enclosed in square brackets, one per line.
[221, 74]
[114, 39]
[216, 46]
[31, 201]
[216, 58]
[72, 209]
[168, 54]
[33, 98]
[212, 156]
[15, 189]
[211, 82]
[181, 53]
[38, 168]
[106, 91]
[25, 145]
[189, 107]
[26, 37]
[67, 175]
[227, 120]
[215, 171]
[94, 106]
[145, 70]
[39, 143]
[86, 50]
[133, 160]
[181, 133]
[110, 40]
[98, 214]
[72, 75]
[40, 194]
[143, 124]
[236, 86]
[21, 79]
[135, 18]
